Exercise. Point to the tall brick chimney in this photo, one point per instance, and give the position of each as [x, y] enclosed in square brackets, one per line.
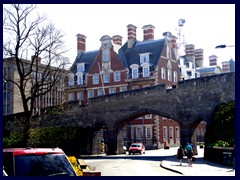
[132, 36]
[199, 57]
[212, 60]
[148, 32]
[81, 43]
[117, 39]
[189, 50]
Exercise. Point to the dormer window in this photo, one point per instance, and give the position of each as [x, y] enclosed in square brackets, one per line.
[79, 78]
[145, 69]
[80, 67]
[71, 79]
[134, 68]
[144, 58]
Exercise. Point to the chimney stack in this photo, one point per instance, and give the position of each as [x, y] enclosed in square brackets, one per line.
[81, 43]
[148, 32]
[189, 50]
[36, 59]
[131, 35]
[199, 57]
[117, 39]
[212, 60]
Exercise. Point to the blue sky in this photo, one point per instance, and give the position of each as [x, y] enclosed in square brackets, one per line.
[206, 25]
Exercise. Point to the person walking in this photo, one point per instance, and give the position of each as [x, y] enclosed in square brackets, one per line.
[189, 154]
[180, 154]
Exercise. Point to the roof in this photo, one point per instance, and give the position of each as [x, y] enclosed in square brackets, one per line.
[210, 69]
[84, 57]
[154, 47]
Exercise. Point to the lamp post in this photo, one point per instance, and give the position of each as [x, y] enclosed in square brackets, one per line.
[5, 88]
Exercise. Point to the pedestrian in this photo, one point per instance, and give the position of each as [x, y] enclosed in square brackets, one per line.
[180, 154]
[189, 153]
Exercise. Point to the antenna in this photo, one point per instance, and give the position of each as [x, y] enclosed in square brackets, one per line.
[181, 40]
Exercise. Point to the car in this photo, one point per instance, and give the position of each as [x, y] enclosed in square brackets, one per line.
[37, 162]
[136, 148]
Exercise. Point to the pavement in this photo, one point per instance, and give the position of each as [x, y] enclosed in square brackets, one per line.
[200, 167]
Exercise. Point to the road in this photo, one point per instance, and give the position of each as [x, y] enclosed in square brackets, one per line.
[130, 165]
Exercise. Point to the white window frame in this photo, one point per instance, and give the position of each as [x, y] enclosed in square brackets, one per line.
[144, 58]
[169, 74]
[123, 89]
[175, 76]
[106, 77]
[100, 92]
[71, 80]
[165, 132]
[171, 132]
[163, 73]
[80, 67]
[148, 116]
[80, 79]
[112, 90]
[149, 132]
[139, 133]
[176, 133]
[135, 73]
[117, 76]
[146, 72]
[95, 78]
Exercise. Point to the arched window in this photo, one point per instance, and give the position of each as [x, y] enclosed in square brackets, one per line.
[71, 79]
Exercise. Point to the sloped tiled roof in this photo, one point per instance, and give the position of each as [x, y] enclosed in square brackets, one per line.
[154, 47]
[84, 57]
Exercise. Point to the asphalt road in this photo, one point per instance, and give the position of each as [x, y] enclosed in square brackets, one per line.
[129, 165]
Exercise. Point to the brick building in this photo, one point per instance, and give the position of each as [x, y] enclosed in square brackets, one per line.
[118, 67]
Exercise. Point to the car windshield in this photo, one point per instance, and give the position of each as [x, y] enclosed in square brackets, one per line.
[43, 165]
[136, 145]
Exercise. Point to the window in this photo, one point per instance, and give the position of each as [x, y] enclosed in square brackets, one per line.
[135, 73]
[144, 58]
[165, 133]
[90, 93]
[139, 133]
[100, 92]
[71, 81]
[148, 116]
[135, 87]
[145, 71]
[106, 78]
[106, 55]
[80, 67]
[71, 97]
[95, 79]
[122, 89]
[175, 77]
[117, 76]
[112, 90]
[80, 79]
[149, 132]
[176, 133]
[80, 96]
[171, 132]
[169, 74]
[163, 73]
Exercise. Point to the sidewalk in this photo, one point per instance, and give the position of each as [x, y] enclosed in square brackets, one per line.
[200, 167]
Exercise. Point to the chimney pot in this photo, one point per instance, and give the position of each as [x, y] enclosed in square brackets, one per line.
[81, 42]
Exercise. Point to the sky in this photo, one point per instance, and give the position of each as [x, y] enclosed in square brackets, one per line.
[206, 25]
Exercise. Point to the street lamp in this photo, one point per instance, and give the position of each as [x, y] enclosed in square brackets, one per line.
[224, 46]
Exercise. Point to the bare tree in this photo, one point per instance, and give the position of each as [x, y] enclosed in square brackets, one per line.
[25, 31]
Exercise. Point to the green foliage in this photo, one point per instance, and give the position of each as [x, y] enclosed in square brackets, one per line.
[42, 137]
[222, 131]
[15, 140]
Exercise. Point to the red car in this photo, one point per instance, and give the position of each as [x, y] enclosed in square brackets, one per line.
[36, 162]
[136, 148]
